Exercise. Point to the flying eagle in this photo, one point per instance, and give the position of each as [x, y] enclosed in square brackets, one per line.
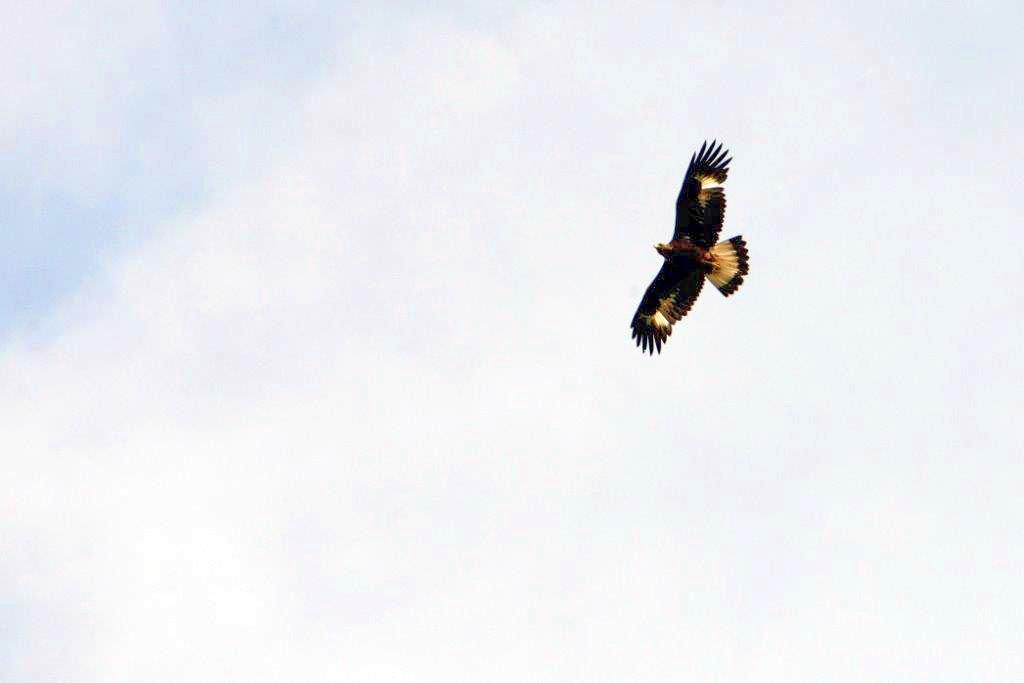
[692, 255]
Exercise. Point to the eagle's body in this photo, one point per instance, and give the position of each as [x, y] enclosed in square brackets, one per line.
[692, 255]
[683, 249]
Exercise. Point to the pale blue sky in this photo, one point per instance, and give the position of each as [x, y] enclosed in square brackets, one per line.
[316, 364]
[132, 131]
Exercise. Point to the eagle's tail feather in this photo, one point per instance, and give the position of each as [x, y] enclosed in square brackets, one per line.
[731, 263]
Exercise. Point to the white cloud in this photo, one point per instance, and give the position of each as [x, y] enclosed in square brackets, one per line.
[373, 412]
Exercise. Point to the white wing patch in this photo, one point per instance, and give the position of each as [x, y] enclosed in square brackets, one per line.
[660, 321]
[707, 182]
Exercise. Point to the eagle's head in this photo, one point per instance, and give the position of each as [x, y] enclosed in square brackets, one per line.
[663, 249]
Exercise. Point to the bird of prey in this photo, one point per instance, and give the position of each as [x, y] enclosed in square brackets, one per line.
[693, 254]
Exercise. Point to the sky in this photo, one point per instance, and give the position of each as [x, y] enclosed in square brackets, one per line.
[315, 359]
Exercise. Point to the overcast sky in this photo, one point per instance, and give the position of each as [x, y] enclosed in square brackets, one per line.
[316, 364]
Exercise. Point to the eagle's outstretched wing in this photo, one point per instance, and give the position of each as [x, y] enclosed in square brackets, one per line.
[666, 301]
[700, 207]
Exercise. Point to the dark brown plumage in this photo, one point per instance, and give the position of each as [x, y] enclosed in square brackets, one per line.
[692, 255]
